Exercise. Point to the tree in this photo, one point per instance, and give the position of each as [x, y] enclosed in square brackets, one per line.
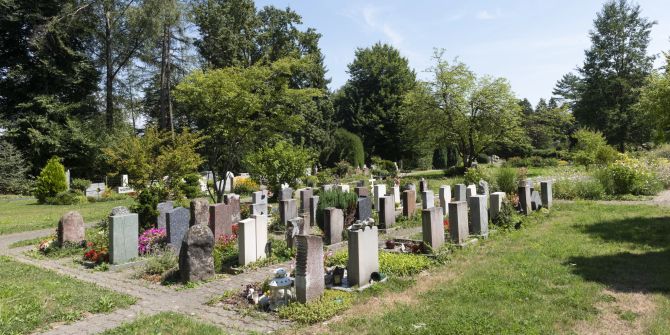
[156, 159]
[614, 70]
[526, 107]
[655, 103]
[369, 104]
[541, 106]
[278, 164]
[550, 128]
[242, 109]
[346, 147]
[474, 114]
[51, 180]
[13, 169]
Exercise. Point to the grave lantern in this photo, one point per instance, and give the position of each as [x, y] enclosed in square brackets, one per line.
[280, 289]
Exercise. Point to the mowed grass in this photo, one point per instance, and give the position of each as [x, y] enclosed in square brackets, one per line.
[544, 279]
[24, 214]
[165, 324]
[32, 298]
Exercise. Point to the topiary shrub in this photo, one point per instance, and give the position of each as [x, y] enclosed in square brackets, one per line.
[191, 186]
[346, 201]
[80, 185]
[51, 180]
[145, 206]
[348, 147]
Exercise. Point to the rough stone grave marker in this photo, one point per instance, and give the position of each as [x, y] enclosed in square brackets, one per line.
[309, 271]
[123, 238]
[196, 261]
[199, 212]
[71, 228]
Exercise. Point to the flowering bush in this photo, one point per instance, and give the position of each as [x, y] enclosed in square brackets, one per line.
[225, 250]
[446, 224]
[96, 253]
[244, 185]
[629, 176]
[152, 240]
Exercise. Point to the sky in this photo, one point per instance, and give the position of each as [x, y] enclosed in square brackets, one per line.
[532, 43]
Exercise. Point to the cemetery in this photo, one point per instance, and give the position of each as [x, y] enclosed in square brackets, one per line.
[202, 173]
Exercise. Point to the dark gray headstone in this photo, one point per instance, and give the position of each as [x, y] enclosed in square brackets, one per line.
[363, 208]
[423, 185]
[176, 224]
[524, 197]
[195, 257]
[333, 225]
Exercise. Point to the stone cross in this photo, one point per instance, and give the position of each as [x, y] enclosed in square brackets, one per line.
[309, 271]
[163, 208]
[333, 225]
[427, 199]
[445, 198]
[176, 226]
[363, 208]
[379, 191]
[123, 238]
[195, 256]
[408, 203]
[459, 192]
[386, 212]
[432, 226]
[547, 194]
[496, 204]
[199, 212]
[479, 215]
[458, 222]
[71, 228]
[524, 197]
[363, 253]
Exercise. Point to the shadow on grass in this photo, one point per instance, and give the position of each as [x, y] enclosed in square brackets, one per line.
[625, 271]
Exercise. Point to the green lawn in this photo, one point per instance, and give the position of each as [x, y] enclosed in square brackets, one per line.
[26, 214]
[547, 278]
[32, 298]
[165, 324]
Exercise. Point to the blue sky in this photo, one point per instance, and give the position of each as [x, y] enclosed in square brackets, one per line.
[530, 42]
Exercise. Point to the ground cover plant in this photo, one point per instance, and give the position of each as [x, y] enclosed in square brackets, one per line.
[29, 305]
[549, 278]
[165, 323]
[26, 214]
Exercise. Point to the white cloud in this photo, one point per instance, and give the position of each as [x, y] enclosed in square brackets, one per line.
[486, 15]
[371, 18]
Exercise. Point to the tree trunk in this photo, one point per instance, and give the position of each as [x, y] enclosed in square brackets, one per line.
[109, 78]
[162, 104]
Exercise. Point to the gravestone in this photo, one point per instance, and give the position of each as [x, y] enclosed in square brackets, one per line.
[286, 194]
[259, 203]
[445, 198]
[95, 190]
[71, 228]
[124, 180]
[363, 208]
[333, 225]
[535, 200]
[163, 208]
[469, 192]
[547, 194]
[432, 227]
[423, 185]
[524, 197]
[410, 187]
[199, 212]
[313, 206]
[252, 239]
[230, 180]
[458, 222]
[363, 253]
[343, 188]
[309, 271]
[261, 236]
[294, 227]
[176, 226]
[362, 191]
[287, 210]
[195, 257]
[427, 199]
[459, 192]
[483, 188]
[479, 216]
[408, 203]
[232, 202]
[386, 212]
[123, 238]
[327, 187]
[396, 194]
[496, 204]
[305, 194]
[379, 191]
[217, 220]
